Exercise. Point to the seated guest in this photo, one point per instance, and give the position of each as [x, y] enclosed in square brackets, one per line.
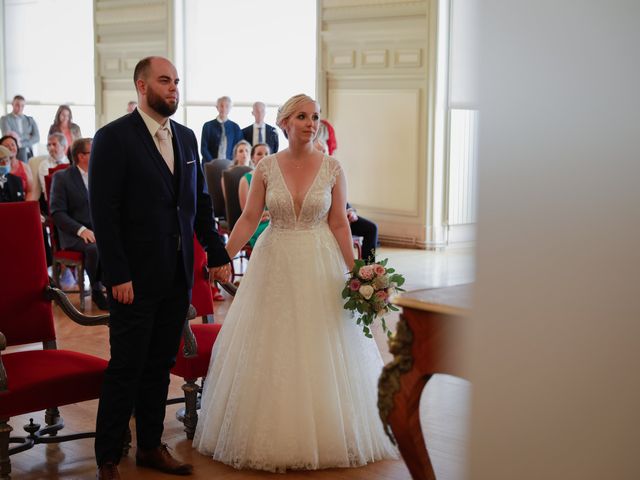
[56, 146]
[258, 152]
[360, 226]
[241, 154]
[368, 230]
[131, 106]
[220, 135]
[261, 132]
[10, 185]
[63, 123]
[69, 205]
[18, 168]
[241, 157]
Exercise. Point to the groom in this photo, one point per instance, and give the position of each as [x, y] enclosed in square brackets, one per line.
[147, 194]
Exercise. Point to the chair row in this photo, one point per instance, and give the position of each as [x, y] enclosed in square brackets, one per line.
[45, 379]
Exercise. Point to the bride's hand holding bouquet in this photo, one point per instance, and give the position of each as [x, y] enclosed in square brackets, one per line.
[368, 290]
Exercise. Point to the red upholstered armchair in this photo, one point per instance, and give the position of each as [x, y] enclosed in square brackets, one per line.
[197, 342]
[34, 380]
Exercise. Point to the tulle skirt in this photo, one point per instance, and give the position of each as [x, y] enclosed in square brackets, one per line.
[293, 381]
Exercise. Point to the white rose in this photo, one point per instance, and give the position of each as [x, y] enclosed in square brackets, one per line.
[366, 291]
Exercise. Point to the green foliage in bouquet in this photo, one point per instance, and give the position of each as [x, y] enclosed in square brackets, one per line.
[367, 293]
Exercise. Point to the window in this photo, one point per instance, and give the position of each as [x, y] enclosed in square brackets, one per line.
[249, 50]
[463, 117]
[49, 60]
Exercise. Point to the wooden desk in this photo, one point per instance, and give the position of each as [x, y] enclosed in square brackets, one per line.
[421, 348]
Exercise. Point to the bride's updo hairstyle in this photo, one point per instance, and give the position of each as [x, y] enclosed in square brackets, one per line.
[289, 108]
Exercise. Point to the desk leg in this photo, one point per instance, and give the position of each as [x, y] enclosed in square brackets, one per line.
[399, 391]
[405, 424]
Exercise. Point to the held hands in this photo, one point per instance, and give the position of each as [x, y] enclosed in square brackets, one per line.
[88, 236]
[221, 274]
[352, 216]
[123, 293]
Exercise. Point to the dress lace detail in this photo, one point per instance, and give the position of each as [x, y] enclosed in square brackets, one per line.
[293, 382]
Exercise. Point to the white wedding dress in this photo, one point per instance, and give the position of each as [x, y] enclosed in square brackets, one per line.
[293, 381]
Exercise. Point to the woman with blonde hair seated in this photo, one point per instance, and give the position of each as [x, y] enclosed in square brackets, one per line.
[241, 158]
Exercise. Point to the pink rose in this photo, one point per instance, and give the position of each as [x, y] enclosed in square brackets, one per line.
[382, 295]
[366, 272]
[354, 285]
[379, 269]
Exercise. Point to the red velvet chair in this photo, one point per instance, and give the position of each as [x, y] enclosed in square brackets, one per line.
[68, 258]
[197, 342]
[35, 380]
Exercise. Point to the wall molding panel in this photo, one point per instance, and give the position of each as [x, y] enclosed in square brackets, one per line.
[374, 86]
[125, 32]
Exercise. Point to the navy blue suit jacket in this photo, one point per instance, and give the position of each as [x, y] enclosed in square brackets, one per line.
[69, 205]
[210, 141]
[270, 133]
[142, 213]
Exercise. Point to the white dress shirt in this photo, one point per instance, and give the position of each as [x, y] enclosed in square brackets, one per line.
[43, 170]
[256, 133]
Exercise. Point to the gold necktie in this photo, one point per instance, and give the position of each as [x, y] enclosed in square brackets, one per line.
[165, 146]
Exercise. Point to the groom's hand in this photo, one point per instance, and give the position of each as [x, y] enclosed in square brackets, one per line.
[123, 293]
[221, 274]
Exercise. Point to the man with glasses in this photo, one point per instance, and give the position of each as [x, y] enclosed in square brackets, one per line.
[69, 205]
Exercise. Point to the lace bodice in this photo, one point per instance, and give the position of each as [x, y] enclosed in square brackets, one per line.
[316, 203]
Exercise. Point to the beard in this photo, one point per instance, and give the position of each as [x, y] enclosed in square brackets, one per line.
[159, 104]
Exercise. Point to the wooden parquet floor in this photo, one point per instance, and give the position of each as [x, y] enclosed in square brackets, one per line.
[444, 405]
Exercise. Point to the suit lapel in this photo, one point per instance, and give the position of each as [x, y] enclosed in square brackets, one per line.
[178, 159]
[154, 154]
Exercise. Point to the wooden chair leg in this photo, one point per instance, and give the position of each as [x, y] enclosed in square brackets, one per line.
[5, 462]
[190, 407]
[80, 279]
[51, 417]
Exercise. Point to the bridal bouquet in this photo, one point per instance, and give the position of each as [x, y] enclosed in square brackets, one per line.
[367, 292]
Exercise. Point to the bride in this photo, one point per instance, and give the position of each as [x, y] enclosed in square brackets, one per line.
[292, 381]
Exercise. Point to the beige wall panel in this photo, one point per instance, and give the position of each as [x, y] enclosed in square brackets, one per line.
[335, 10]
[131, 14]
[374, 87]
[115, 102]
[380, 155]
[125, 32]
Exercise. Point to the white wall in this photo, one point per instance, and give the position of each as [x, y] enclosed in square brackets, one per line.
[554, 346]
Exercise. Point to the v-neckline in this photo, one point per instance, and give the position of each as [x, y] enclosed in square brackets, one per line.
[304, 198]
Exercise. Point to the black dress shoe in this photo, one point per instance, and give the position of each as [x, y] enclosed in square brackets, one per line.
[100, 299]
[160, 459]
[108, 471]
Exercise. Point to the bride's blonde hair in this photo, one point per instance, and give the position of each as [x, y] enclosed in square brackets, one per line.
[289, 108]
